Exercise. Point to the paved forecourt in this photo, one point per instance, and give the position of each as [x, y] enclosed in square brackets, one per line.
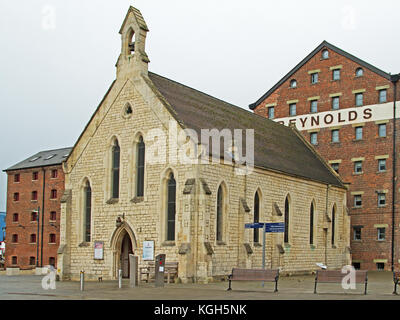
[380, 286]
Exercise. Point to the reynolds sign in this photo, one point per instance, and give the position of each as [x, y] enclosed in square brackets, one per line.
[342, 117]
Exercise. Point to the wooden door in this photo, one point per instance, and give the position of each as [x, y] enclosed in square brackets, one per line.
[126, 249]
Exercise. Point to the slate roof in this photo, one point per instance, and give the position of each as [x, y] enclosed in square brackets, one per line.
[42, 159]
[327, 45]
[276, 147]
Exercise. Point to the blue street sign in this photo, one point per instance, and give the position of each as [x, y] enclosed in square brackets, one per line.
[275, 227]
[254, 225]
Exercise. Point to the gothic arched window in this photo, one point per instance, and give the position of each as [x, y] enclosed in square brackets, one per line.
[171, 207]
[87, 211]
[312, 223]
[220, 213]
[115, 170]
[140, 167]
[286, 234]
[256, 236]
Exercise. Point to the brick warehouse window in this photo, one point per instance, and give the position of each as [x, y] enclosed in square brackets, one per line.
[54, 173]
[293, 83]
[52, 261]
[16, 196]
[336, 74]
[335, 135]
[382, 130]
[356, 265]
[35, 176]
[15, 217]
[34, 216]
[335, 103]
[325, 54]
[292, 109]
[382, 96]
[381, 234]
[314, 138]
[380, 266]
[358, 133]
[271, 112]
[359, 99]
[14, 238]
[357, 201]
[32, 238]
[53, 194]
[357, 233]
[14, 260]
[314, 106]
[381, 199]
[16, 177]
[52, 238]
[314, 78]
[358, 167]
[34, 196]
[335, 166]
[359, 72]
[32, 261]
[382, 165]
[53, 216]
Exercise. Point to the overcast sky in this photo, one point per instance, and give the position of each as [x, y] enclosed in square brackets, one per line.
[58, 56]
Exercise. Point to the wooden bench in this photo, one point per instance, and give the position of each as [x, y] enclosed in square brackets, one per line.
[170, 269]
[334, 276]
[396, 277]
[254, 275]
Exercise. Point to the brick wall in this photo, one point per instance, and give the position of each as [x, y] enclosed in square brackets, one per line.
[369, 181]
[24, 227]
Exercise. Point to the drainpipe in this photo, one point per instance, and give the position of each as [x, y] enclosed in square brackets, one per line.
[394, 78]
[41, 245]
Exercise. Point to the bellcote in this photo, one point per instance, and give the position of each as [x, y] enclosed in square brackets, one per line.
[133, 58]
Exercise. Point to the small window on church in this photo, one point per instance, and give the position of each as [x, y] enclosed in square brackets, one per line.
[127, 112]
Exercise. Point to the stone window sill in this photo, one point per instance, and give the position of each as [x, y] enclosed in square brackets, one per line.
[382, 171]
[221, 243]
[168, 244]
[360, 207]
[358, 140]
[84, 244]
[137, 199]
[112, 201]
[257, 244]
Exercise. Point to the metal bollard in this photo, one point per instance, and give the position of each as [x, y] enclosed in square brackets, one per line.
[82, 280]
[120, 278]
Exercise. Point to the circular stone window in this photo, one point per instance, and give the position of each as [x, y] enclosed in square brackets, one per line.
[127, 112]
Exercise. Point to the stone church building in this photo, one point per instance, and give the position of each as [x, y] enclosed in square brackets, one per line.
[136, 174]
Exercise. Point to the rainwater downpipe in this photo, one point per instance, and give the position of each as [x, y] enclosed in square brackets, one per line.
[43, 196]
[394, 78]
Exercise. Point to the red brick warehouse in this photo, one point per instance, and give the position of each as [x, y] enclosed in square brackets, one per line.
[34, 190]
[344, 107]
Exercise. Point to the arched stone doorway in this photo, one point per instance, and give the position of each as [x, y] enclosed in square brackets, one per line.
[126, 250]
[123, 243]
